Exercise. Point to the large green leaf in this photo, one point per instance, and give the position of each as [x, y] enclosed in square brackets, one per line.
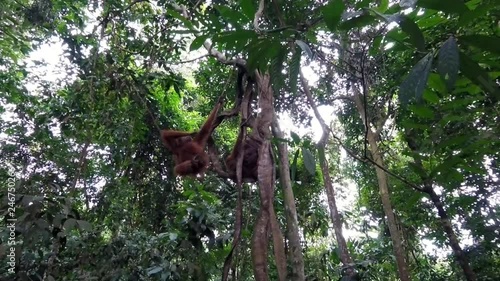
[69, 224]
[484, 42]
[422, 111]
[234, 17]
[294, 70]
[447, 165]
[232, 37]
[411, 28]
[431, 96]
[248, 8]
[437, 84]
[408, 26]
[384, 4]
[276, 69]
[478, 75]
[332, 12]
[414, 84]
[295, 138]
[309, 160]
[261, 51]
[375, 46]
[180, 17]
[479, 11]
[84, 225]
[449, 62]
[198, 42]
[360, 21]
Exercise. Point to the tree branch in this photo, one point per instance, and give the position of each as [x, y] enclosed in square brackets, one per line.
[258, 15]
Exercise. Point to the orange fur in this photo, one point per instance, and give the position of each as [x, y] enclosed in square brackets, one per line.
[189, 152]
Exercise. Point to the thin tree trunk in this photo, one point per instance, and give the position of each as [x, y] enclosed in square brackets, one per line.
[452, 237]
[383, 185]
[399, 251]
[443, 215]
[345, 257]
[295, 250]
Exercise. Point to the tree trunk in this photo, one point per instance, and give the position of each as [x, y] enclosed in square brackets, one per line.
[345, 257]
[450, 233]
[387, 206]
[443, 216]
[295, 252]
[266, 180]
[383, 185]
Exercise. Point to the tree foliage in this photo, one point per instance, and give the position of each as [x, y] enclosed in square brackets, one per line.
[90, 191]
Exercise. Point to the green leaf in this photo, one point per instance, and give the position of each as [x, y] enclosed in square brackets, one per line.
[360, 21]
[484, 42]
[230, 37]
[448, 170]
[448, 62]
[454, 175]
[294, 70]
[84, 225]
[213, 22]
[455, 142]
[180, 17]
[436, 83]
[254, 55]
[384, 4]
[278, 79]
[42, 224]
[375, 46]
[269, 49]
[411, 28]
[248, 9]
[478, 12]
[447, 6]
[431, 19]
[332, 12]
[408, 26]
[478, 75]
[309, 161]
[234, 17]
[69, 224]
[412, 125]
[414, 84]
[431, 96]
[198, 42]
[295, 137]
[62, 27]
[305, 48]
[261, 51]
[423, 111]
